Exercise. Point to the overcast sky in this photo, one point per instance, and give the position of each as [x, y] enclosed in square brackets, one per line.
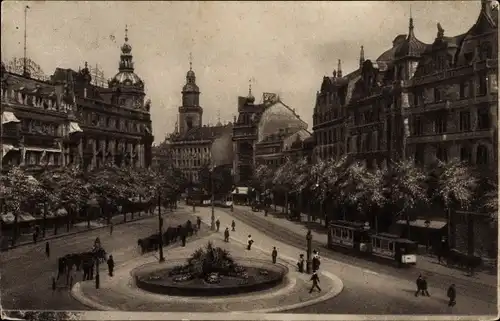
[285, 47]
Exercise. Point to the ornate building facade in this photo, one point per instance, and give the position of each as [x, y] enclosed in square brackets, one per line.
[67, 120]
[419, 101]
[252, 129]
[194, 145]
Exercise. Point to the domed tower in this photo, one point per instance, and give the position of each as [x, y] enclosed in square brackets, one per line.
[190, 113]
[127, 87]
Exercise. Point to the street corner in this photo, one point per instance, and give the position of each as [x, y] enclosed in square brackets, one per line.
[88, 300]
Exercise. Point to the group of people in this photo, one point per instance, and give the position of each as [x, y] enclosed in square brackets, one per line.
[422, 290]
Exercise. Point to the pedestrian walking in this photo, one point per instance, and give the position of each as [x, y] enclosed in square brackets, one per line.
[300, 263]
[183, 238]
[274, 254]
[198, 222]
[316, 261]
[452, 295]
[47, 249]
[111, 265]
[419, 283]
[315, 281]
[217, 224]
[424, 287]
[249, 242]
[233, 225]
[442, 249]
[111, 228]
[226, 235]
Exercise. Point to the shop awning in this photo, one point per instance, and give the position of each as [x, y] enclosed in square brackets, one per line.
[433, 224]
[74, 128]
[26, 217]
[9, 117]
[8, 218]
[241, 190]
[7, 148]
[41, 149]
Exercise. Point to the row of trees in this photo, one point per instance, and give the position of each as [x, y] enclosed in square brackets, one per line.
[382, 194]
[69, 190]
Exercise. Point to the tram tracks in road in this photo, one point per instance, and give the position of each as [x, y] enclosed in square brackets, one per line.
[486, 293]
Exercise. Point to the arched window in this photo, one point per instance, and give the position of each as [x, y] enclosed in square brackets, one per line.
[481, 155]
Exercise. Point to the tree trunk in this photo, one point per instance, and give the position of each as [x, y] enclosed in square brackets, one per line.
[87, 212]
[44, 223]
[286, 202]
[56, 223]
[68, 219]
[15, 228]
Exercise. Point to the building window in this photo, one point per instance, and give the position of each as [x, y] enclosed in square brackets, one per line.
[465, 154]
[483, 118]
[482, 83]
[437, 95]
[417, 127]
[481, 155]
[442, 154]
[440, 123]
[464, 121]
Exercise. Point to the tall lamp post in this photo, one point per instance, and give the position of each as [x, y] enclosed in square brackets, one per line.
[427, 224]
[309, 252]
[160, 227]
[212, 220]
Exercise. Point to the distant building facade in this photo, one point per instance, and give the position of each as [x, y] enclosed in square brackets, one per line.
[256, 133]
[194, 145]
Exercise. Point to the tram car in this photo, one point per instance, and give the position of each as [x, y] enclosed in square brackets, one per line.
[358, 239]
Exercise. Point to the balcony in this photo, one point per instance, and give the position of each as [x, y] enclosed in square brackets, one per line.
[449, 137]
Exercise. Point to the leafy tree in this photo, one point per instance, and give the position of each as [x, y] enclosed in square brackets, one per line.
[283, 180]
[20, 192]
[404, 188]
[263, 177]
[221, 176]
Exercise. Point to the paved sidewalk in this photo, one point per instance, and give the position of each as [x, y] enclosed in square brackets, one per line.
[364, 282]
[425, 263]
[82, 227]
[119, 292]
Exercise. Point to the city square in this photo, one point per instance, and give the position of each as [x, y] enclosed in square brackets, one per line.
[115, 204]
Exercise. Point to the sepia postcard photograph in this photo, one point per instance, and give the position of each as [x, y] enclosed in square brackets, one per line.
[249, 160]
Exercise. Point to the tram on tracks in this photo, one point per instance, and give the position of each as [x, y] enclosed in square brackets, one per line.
[358, 239]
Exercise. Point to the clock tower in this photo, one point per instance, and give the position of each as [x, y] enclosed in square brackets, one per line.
[190, 113]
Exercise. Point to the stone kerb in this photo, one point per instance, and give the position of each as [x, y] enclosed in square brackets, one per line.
[168, 287]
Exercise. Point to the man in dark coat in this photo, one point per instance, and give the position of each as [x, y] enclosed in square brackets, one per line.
[226, 235]
[183, 238]
[233, 225]
[198, 222]
[274, 254]
[249, 242]
[315, 280]
[217, 224]
[47, 249]
[316, 260]
[111, 265]
[452, 295]
[424, 287]
[418, 282]
[300, 263]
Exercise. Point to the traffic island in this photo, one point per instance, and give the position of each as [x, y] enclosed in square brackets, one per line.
[210, 271]
[122, 293]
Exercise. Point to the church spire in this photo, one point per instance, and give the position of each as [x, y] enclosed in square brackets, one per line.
[410, 27]
[361, 56]
[339, 69]
[191, 61]
[250, 98]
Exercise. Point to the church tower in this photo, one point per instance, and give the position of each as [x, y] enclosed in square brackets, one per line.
[190, 113]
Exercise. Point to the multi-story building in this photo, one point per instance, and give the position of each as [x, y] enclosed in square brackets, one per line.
[161, 154]
[274, 149]
[418, 101]
[194, 145]
[68, 120]
[38, 122]
[255, 123]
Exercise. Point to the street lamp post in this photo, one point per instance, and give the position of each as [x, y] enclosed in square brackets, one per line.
[309, 252]
[427, 224]
[212, 220]
[97, 276]
[160, 227]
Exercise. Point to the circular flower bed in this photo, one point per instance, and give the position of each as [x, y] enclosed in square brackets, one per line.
[210, 271]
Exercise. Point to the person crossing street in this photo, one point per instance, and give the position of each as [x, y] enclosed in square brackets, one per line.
[249, 242]
[226, 235]
[452, 296]
[111, 265]
[233, 225]
[217, 224]
[315, 281]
